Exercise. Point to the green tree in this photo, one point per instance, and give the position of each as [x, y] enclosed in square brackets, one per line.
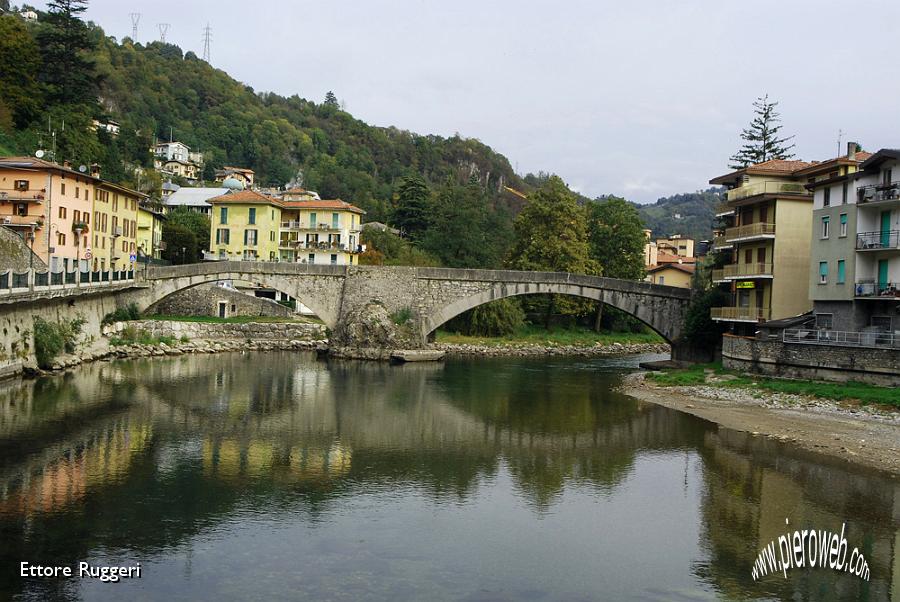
[617, 242]
[412, 207]
[66, 46]
[181, 244]
[331, 100]
[20, 93]
[551, 235]
[197, 223]
[762, 141]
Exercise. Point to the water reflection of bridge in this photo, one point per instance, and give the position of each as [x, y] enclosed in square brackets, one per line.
[201, 437]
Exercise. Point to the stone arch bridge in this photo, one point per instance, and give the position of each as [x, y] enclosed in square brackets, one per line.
[428, 296]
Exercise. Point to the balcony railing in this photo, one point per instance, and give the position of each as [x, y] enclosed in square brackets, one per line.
[721, 242]
[313, 246]
[298, 225]
[718, 275]
[33, 196]
[877, 193]
[873, 241]
[759, 229]
[723, 209]
[841, 338]
[771, 187]
[746, 314]
[746, 270]
[879, 290]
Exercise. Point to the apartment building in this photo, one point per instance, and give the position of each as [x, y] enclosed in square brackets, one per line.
[320, 231]
[149, 232]
[854, 280]
[114, 235]
[244, 226]
[769, 214]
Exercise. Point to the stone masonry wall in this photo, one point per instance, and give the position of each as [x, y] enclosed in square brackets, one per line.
[256, 331]
[818, 362]
[204, 299]
[14, 253]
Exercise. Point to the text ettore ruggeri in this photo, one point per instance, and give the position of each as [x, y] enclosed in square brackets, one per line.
[83, 570]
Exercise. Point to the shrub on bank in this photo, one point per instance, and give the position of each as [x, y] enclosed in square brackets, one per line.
[52, 338]
[122, 314]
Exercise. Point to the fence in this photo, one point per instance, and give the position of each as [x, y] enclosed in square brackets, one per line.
[38, 281]
[842, 338]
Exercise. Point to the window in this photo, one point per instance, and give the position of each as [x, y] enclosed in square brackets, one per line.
[662, 280]
[825, 221]
[824, 321]
[250, 238]
[62, 213]
[22, 209]
[826, 198]
[844, 193]
[333, 259]
[60, 239]
[62, 188]
[312, 220]
[76, 216]
[843, 230]
[761, 255]
[312, 258]
[223, 215]
[77, 192]
[223, 236]
[886, 176]
[272, 235]
[21, 185]
[842, 272]
[86, 217]
[763, 214]
[335, 221]
[823, 272]
[251, 216]
[748, 255]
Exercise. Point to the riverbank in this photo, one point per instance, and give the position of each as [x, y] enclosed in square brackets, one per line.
[531, 349]
[865, 435]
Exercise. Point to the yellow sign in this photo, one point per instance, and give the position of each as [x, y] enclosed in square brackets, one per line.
[745, 284]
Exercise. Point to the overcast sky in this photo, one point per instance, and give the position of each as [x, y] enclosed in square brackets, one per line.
[641, 99]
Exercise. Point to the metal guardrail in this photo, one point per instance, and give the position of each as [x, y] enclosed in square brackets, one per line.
[841, 338]
[723, 209]
[749, 230]
[769, 187]
[746, 270]
[878, 289]
[38, 281]
[876, 193]
[883, 239]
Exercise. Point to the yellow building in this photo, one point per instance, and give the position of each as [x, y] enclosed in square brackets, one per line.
[114, 235]
[149, 232]
[244, 226]
[767, 241]
[317, 231]
[671, 274]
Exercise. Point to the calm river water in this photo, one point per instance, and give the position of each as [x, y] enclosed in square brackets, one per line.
[278, 477]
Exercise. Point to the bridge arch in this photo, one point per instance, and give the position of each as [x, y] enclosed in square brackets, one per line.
[654, 311]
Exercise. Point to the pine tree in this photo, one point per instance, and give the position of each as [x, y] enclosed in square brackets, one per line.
[411, 212]
[763, 143]
[331, 100]
[65, 45]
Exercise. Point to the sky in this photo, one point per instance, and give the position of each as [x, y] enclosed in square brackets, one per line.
[638, 99]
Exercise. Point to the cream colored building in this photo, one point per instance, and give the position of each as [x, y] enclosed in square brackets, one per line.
[115, 218]
[149, 232]
[767, 241]
[671, 274]
[317, 231]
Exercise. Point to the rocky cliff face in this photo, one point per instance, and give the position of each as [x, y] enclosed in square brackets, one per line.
[371, 327]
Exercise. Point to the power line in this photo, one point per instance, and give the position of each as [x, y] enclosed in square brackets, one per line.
[163, 28]
[135, 19]
[206, 38]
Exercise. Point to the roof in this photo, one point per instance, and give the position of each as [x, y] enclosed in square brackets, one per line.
[193, 197]
[817, 166]
[170, 186]
[663, 257]
[227, 168]
[687, 268]
[244, 197]
[775, 167]
[322, 204]
[880, 157]
[35, 163]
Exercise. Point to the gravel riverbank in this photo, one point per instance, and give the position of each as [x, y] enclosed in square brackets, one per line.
[863, 435]
[527, 349]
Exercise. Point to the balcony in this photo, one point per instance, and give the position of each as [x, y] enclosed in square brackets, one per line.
[881, 291]
[771, 187]
[749, 232]
[31, 196]
[882, 195]
[23, 221]
[740, 314]
[720, 243]
[298, 225]
[884, 240]
[738, 271]
[718, 276]
[723, 210]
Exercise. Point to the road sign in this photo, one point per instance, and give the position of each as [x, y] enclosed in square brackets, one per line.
[87, 254]
[132, 257]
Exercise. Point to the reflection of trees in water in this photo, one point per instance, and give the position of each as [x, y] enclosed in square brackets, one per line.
[751, 486]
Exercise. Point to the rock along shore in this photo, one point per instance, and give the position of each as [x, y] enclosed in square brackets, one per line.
[528, 350]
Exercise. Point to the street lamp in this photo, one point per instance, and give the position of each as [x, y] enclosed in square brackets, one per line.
[183, 255]
[31, 247]
[77, 230]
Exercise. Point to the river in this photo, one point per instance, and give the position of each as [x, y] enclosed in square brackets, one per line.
[274, 476]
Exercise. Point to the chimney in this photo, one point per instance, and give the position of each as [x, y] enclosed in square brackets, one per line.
[95, 170]
[851, 151]
[67, 164]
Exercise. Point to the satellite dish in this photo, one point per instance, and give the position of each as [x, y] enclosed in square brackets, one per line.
[39, 154]
[82, 168]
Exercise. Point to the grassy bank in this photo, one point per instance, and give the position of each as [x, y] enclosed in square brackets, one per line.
[232, 320]
[559, 337]
[698, 374]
